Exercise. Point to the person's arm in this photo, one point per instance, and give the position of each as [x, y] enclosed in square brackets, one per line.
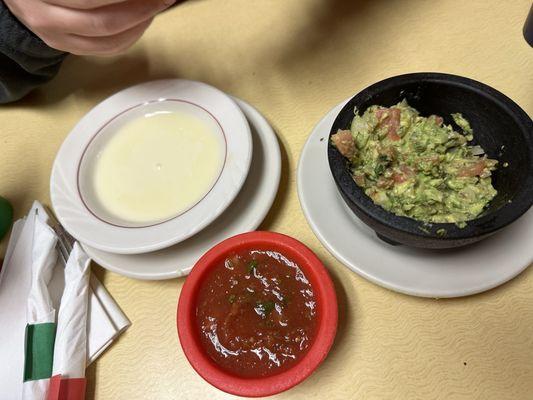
[25, 60]
[35, 35]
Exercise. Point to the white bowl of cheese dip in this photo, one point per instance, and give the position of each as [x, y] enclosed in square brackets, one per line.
[151, 166]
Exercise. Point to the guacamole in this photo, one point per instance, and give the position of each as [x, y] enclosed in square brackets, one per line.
[417, 166]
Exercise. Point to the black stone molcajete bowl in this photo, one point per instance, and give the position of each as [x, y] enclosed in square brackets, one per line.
[501, 128]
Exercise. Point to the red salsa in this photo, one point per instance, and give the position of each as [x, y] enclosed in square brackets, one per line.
[256, 313]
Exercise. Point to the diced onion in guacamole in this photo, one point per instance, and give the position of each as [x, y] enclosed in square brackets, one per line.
[417, 166]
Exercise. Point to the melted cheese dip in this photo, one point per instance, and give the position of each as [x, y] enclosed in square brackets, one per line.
[157, 166]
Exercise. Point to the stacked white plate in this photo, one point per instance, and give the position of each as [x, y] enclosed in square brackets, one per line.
[237, 200]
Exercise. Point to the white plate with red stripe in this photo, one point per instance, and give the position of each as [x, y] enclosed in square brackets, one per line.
[75, 208]
[244, 214]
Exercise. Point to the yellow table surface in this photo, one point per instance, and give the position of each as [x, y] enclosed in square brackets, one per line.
[294, 60]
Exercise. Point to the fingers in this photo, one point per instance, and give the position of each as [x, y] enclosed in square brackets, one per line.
[99, 46]
[104, 21]
[82, 4]
[111, 27]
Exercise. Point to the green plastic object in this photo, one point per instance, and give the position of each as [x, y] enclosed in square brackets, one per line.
[6, 216]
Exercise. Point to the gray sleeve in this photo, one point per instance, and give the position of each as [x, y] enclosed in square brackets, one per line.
[25, 60]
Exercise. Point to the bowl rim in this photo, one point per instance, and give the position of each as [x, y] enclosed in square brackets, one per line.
[475, 227]
[327, 317]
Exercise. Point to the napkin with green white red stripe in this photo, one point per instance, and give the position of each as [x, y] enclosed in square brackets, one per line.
[54, 319]
[40, 314]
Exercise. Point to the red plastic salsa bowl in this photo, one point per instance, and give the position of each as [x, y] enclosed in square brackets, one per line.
[260, 246]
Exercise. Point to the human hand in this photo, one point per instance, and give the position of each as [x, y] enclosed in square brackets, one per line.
[88, 27]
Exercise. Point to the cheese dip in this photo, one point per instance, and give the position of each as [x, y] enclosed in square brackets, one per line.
[157, 166]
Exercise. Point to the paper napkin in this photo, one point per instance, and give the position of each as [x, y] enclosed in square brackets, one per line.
[40, 312]
[68, 375]
[105, 321]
